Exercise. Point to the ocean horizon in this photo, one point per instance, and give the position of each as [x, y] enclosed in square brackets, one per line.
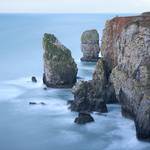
[52, 127]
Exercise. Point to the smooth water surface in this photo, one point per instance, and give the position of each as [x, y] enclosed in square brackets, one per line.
[51, 127]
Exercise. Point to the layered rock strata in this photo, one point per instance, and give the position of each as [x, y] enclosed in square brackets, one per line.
[60, 69]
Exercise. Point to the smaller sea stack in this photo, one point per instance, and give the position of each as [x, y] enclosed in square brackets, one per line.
[90, 45]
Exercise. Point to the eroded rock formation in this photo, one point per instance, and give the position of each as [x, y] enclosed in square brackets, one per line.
[60, 69]
[87, 98]
[126, 50]
[90, 45]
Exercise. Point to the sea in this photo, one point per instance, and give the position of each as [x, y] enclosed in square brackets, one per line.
[51, 126]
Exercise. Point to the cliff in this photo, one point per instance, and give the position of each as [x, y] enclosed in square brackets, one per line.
[126, 51]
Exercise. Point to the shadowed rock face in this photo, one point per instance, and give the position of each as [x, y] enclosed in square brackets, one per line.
[83, 118]
[60, 69]
[142, 120]
[90, 45]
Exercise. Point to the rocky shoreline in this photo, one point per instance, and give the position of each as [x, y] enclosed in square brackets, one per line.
[121, 76]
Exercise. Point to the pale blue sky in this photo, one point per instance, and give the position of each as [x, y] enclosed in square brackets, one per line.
[75, 6]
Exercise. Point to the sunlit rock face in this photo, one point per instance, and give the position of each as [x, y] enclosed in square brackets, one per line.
[131, 76]
[60, 69]
[90, 45]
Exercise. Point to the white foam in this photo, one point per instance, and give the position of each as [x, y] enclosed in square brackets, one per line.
[9, 92]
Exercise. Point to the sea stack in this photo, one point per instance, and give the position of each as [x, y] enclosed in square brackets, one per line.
[90, 45]
[60, 69]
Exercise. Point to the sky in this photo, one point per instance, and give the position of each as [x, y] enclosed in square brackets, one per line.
[75, 6]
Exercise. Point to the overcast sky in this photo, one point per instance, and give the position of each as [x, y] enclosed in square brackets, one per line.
[75, 6]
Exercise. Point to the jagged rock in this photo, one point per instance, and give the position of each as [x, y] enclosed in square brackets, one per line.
[101, 79]
[90, 45]
[34, 79]
[87, 98]
[142, 120]
[83, 118]
[131, 76]
[128, 50]
[60, 69]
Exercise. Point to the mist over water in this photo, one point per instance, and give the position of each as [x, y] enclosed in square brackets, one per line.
[51, 127]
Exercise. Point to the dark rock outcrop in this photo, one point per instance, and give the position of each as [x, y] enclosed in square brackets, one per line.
[102, 81]
[32, 103]
[83, 118]
[90, 45]
[60, 69]
[35, 103]
[87, 98]
[33, 79]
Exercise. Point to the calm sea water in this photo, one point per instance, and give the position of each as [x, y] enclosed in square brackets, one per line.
[51, 127]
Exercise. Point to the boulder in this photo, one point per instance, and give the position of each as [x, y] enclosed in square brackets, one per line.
[83, 118]
[33, 79]
[60, 69]
[90, 45]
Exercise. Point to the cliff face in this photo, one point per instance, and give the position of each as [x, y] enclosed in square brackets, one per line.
[126, 51]
[111, 34]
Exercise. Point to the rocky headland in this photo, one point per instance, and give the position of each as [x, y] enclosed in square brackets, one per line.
[122, 74]
[90, 45]
[60, 69]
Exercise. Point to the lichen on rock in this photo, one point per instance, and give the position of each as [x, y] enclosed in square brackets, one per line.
[60, 69]
[90, 45]
[87, 98]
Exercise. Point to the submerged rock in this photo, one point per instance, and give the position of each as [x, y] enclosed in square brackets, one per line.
[83, 118]
[90, 45]
[35, 103]
[60, 69]
[32, 103]
[34, 79]
[87, 98]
